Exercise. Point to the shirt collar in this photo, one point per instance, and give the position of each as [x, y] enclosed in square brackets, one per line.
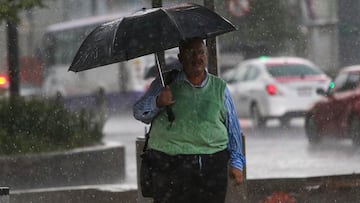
[182, 76]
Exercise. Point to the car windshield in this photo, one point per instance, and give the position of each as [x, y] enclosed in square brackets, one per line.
[284, 70]
[346, 81]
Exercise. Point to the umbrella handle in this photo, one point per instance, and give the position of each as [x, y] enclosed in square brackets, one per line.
[170, 114]
[169, 111]
[159, 69]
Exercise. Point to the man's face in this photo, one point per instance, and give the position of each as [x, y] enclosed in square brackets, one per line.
[194, 58]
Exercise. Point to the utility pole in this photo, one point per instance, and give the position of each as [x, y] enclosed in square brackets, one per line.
[211, 44]
[321, 20]
[156, 3]
[160, 54]
[13, 57]
[93, 7]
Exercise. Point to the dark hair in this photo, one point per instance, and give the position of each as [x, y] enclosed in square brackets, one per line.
[184, 44]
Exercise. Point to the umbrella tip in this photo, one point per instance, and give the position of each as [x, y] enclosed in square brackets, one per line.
[71, 70]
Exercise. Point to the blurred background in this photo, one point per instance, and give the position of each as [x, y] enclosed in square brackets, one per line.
[319, 30]
[324, 32]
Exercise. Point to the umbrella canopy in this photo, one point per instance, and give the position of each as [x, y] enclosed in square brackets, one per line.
[146, 32]
[171, 64]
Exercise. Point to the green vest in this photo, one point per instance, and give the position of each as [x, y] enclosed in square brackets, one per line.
[199, 125]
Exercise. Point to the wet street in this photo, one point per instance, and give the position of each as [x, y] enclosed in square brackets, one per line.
[274, 152]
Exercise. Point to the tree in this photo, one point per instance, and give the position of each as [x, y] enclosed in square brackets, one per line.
[9, 10]
[270, 25]
[267, 28]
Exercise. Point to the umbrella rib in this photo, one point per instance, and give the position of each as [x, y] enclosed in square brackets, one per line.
[112, 48]
[126, 54]
[175, 23]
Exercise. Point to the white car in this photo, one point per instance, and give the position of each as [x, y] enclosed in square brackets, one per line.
[275, 87]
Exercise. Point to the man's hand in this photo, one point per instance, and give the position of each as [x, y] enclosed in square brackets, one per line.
[164, 98]
[236, 174]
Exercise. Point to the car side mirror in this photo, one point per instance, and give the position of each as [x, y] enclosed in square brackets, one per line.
[320, 91]
[329, 92]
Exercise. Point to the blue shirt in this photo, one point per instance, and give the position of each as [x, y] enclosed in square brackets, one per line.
[145, 109]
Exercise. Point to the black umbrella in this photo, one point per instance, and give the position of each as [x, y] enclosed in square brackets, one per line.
[172, 63]
[146, 32]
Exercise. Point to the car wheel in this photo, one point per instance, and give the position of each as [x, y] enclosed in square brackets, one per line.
[355, 130]
[257, 120]
[311, 130]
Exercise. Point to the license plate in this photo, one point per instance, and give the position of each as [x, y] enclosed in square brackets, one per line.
[304, 91]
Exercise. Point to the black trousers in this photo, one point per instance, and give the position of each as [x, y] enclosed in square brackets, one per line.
[189, 178]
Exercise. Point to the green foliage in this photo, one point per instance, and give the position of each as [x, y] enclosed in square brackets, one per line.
[269, 22]
[10, 8]
[268, 28]
[31, 126]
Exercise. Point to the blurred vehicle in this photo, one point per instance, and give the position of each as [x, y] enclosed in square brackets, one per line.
[121, 83]
[338, 113]
[26, 90]
[274, 87]
[4, 84]
[58, 48]
[29, 90]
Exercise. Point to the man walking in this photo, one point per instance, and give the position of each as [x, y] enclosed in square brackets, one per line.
[193, 155]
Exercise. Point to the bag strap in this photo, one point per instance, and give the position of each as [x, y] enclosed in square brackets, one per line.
[147, 136]
[169, 78]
